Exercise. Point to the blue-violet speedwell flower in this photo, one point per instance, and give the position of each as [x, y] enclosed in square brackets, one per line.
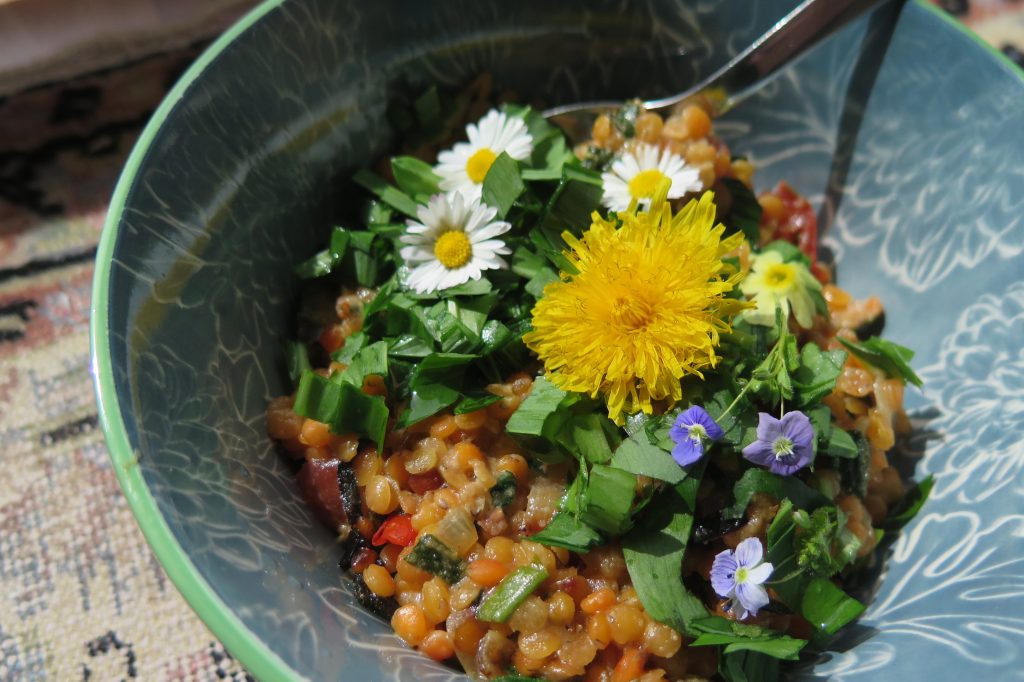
[690, 431]
[783, 445]
[740, 576]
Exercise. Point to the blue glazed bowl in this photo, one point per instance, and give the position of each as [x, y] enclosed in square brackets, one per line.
[903, 129]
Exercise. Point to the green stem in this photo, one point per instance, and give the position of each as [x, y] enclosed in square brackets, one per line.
[734, 402]
[795, 574]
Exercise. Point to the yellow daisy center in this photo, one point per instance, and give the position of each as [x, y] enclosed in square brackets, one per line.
[780, 277]
[453, 249]
[478, 164]
[645, 183]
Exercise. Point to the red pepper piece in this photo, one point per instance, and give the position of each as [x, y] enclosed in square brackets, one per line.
[396, 529]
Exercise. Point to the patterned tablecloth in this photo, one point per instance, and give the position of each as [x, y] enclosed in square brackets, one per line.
[81, 595]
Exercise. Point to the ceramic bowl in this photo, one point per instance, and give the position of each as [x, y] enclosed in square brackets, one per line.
[904, 130]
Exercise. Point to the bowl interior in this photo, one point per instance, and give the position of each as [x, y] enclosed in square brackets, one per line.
[892, 131]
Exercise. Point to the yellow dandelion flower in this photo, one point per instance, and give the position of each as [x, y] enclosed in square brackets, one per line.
[646, 306]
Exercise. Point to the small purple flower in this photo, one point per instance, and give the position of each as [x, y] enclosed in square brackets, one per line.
[783, 445]
[740, 576]
[689, 432]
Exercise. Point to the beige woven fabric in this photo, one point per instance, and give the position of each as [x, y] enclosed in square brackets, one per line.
[81, 595]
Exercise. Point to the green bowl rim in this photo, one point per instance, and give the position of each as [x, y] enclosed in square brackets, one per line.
[243, 644]
[218, 616]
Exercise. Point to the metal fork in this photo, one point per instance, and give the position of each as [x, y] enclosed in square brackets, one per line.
[747, 72]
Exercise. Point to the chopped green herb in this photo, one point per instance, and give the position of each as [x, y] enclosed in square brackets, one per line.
[368, 360]
[624, 118]
[827, 607]
[841, 444]
[591, 436]
[344, 407]
[392, 196]
[414, 177]
[435, 383]
[853, 471]
[576, 197]
[748, 666]
[789, 251]
[654, 555]
[503, 492]
[891, 358]
[715, 630]
[407, 346]
[771, 380]
[565, 530]
[782, 647]
[609, 499]
[745, 213]
[475, 401]
[814, 544]
[598, 158]
[297, 357]
[437, 558]
[327, 260]
[319, 265]
[503, 184]
[779, 487]
[909, 506]
[367, 257]
[510, 593]
[540, 417]
[428, 109]
[816, 375]
[644, 459]
[789, 581]
[378, 213]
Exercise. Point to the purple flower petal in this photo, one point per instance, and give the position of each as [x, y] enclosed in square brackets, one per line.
[723, 573]
[768, 427]
[689, 431]
[679, 432]
[786, 466]
[760, 452]
[749, 552]
[784, 446]
[798, 429]
[696, 414]
[752, 597]
[687, 451]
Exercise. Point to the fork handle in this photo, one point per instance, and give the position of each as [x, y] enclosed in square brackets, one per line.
[808, 24]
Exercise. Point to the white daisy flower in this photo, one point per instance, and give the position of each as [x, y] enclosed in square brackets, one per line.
[637, 174]
[464, 167]
[453, 242]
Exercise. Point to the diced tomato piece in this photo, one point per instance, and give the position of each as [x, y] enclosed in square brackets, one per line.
[575, 586]
[798, 225]
[332, 339]
[363, 558]
[396, 529]
[421, 483]
[318, 482]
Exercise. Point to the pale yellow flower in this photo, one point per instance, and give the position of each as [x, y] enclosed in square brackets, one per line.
[774, 283]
